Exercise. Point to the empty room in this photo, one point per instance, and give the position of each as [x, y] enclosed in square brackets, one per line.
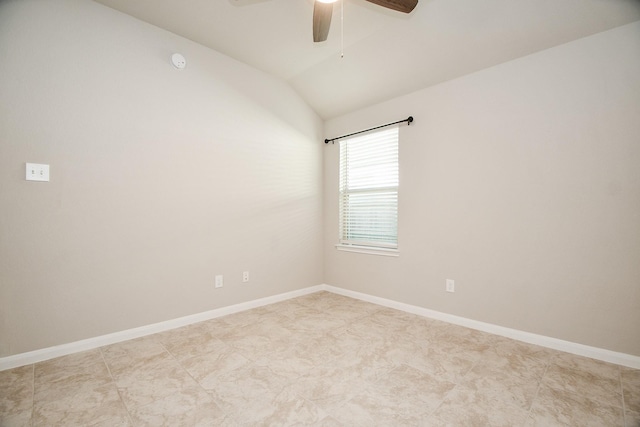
[316, 212]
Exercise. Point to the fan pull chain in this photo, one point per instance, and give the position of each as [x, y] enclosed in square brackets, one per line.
[342, 29]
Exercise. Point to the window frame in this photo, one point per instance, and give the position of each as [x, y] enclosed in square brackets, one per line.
[372, 247]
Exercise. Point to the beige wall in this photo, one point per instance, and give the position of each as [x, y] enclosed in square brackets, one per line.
[160, 179]
[522, 183]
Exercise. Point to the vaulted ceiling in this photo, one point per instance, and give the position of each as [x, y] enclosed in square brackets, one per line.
[386, 53]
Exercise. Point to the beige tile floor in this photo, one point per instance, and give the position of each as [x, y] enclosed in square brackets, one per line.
[323, 360]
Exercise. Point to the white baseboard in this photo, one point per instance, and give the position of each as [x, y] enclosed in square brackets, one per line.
[528, 337]
[35, 356]
[541, 340]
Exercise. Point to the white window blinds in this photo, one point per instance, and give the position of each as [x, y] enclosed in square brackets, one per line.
[369, 189]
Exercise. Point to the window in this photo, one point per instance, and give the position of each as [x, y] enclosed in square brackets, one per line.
[369, 192]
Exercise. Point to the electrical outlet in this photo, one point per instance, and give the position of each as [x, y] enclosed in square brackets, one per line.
[451, 285]
[245, 276]
[219, 281]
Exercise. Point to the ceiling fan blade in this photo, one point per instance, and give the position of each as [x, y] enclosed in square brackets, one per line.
[322, 13]
[405, 6]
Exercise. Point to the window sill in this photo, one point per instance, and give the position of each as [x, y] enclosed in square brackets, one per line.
[368, 250]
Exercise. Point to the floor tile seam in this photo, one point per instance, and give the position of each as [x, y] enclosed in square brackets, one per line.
[175, 359]
[189, 357]
[153, 402]
[33, 392]
[127, 408]
[335, 408]
[549, 383]
[85, 385]
[124, 404]
[544, 365]
[392, 370]
[530, 405]
[455, 385]
[419, 367]
[459, 378]
[513, 379]
[354, 318]
[252, 358]
[251, 364]
[185, 370]
[582, 396]
[373, 381]
[235, 412]
[624, 409]
[588, 372]
[436, 407]
[308, 401]
[198, 383]
[136, 407]
[221, 407]
[504, 402]
[584, 372]
[104, 360]
[535, 397]
[336, 329]
[631, 383]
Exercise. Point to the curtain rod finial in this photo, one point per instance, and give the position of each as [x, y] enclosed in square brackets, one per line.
[409, 120]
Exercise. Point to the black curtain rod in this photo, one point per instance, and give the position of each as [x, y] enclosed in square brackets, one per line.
[408, 120]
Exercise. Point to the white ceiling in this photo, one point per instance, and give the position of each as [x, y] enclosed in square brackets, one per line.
[386, 53]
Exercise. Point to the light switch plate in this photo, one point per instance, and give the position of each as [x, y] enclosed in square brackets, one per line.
[37, 172]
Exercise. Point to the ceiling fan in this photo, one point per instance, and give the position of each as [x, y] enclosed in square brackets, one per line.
[323, 10]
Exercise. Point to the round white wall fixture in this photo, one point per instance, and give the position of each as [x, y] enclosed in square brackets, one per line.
[178, 61]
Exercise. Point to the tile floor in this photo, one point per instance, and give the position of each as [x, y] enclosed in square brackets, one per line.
[323, 360]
